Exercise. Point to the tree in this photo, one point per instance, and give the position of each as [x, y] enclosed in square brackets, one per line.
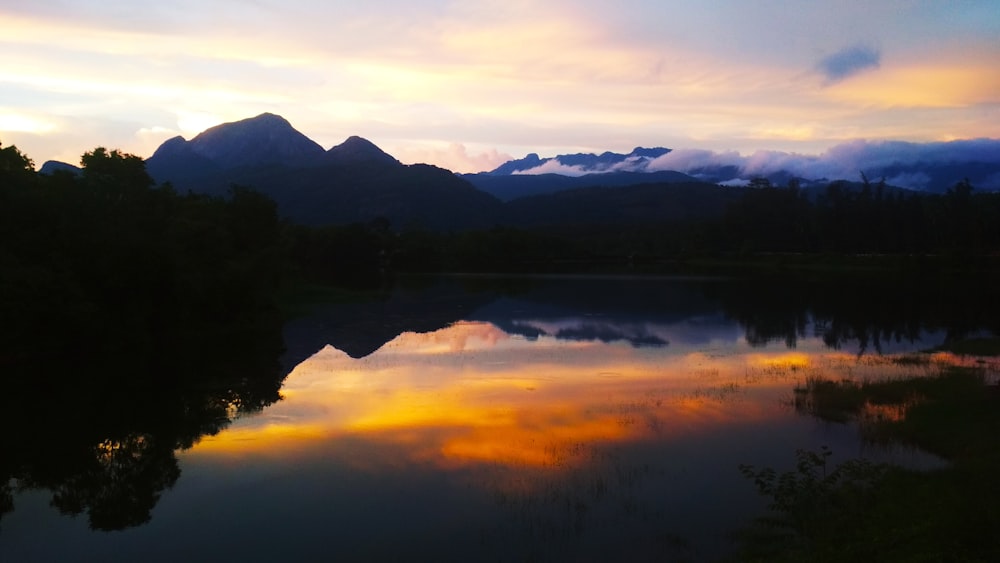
[14, 164]
[114, 172]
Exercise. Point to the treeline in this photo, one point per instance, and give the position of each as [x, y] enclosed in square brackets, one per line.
[871, 218]
[843, 220]
[104, 262]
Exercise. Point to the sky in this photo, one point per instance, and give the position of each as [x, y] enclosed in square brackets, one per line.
[469, 84]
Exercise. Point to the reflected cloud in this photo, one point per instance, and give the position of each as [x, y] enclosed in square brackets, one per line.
[586, 330]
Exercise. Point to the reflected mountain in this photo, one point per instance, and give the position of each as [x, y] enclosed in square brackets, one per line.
[865, 316]
[358, 329]
[605, 309]
[569, 308]
[101, 434]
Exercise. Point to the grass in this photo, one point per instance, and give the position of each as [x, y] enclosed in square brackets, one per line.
[859, 511]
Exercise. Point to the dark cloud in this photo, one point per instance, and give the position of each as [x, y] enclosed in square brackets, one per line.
[848, 62]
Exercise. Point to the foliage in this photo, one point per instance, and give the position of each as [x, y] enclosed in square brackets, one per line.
[106, 261]
[812, 499]
[861, 511]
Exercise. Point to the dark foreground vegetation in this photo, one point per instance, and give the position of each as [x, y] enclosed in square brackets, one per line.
[105, 263]
[860, 511]
[134, 322]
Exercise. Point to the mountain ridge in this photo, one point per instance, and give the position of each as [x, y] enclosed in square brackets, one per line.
[585, 163]
[354, 181]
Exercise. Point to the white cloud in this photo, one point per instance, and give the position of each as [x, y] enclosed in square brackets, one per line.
[23, 123]
[687, 160]
[555, 167]
[843, 161]
[455, 157]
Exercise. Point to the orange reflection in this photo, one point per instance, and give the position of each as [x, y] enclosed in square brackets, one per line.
[472, 394]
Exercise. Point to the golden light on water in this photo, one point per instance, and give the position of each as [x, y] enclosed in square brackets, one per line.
[472, 394]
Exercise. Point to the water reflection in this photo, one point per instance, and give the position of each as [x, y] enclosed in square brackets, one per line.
[457, 418]
[100, 435]
[472, 392]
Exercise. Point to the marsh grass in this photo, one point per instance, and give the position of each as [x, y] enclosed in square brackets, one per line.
[858, 511]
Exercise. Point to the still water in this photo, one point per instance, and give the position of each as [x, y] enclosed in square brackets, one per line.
[477, 419]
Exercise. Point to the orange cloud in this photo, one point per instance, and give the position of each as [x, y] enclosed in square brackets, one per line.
[935, 85]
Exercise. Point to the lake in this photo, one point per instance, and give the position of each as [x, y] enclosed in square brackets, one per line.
[473, 418]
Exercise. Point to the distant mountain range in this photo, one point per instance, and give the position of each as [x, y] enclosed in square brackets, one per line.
[582, 163]
[356, 181]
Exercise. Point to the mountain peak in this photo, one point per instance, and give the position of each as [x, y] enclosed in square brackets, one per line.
[358, 150]
[52, 166]
[264, 139]
[653, 152]
[531, 160]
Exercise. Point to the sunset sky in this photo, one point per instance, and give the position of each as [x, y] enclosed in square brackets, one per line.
[469, 84]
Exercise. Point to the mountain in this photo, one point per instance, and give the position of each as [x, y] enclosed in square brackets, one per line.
[581, 163]
[632, 205]
[930, 167]
[354, 181]
[356, 150]
[53, 166]
[532, 175]
[265, 139]
[416, 195]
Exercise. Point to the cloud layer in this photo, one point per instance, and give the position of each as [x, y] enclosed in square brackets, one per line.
[509, 76]
[844, 161]
[903, 164]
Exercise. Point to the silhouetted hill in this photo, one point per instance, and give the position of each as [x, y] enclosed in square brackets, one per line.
[177, 162]
[356, 150]
[354, 181]
[53, 166]
[265, 139]
[515, 186]
[635, 204]
[408, 196]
